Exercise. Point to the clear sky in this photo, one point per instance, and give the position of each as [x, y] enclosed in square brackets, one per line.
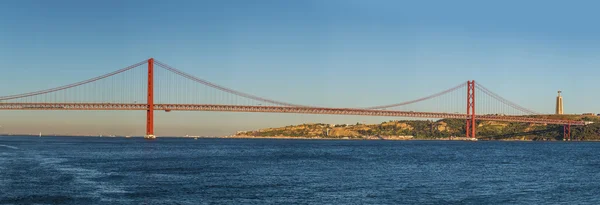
[342, 53]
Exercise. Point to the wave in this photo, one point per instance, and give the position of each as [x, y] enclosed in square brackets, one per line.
[8, 146]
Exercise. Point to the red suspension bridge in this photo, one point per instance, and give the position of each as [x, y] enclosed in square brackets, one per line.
[144, 87]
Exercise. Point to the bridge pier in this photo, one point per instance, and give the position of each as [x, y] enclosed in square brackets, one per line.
[567, 132]
[150, 104]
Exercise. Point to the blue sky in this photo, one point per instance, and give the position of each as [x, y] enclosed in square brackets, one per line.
[344, 53]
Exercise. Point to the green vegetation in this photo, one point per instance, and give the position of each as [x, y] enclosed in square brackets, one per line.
[444, 128]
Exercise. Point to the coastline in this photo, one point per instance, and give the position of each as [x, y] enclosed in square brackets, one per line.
[403, 138]
[391, 139]
[314, 138]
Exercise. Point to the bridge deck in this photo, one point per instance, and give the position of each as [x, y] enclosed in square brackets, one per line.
[274, 109]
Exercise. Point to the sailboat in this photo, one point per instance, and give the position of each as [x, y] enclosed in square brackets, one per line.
[40, 134]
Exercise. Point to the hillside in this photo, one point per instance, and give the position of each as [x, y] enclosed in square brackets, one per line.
[440, 129]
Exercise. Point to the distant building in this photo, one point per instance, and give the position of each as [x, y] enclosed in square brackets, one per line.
[588, 114]
[559, 104]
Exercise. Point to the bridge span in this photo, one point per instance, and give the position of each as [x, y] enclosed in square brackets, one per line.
[166, 88]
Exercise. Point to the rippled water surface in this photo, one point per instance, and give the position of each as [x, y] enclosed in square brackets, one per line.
[78, 170]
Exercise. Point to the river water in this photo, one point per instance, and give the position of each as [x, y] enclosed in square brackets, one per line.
[80, 170]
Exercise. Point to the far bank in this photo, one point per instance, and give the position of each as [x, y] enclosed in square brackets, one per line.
[444, 129]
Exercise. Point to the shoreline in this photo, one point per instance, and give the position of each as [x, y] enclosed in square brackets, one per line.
[369, 139]
[358, 139]
[310, 138]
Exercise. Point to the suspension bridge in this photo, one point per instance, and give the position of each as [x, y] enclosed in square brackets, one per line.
[144, 87]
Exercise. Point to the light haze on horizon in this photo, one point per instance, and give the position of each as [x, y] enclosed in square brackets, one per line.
[338, 53]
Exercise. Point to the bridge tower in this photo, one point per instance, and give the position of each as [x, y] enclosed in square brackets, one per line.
[150, 104]
[470, 128]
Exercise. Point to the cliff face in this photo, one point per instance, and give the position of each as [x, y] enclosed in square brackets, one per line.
[444, 128]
